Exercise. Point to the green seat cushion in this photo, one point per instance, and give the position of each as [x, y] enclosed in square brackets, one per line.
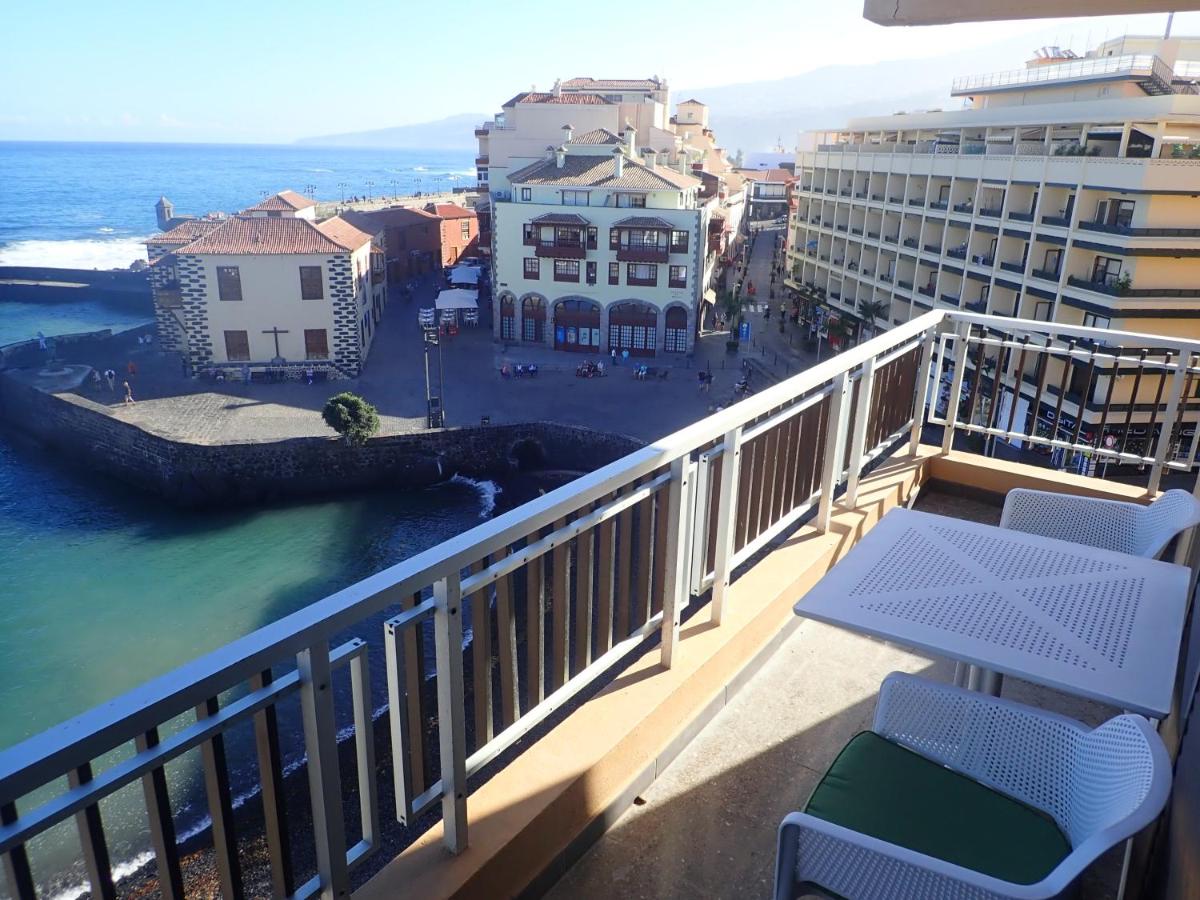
[882, 789]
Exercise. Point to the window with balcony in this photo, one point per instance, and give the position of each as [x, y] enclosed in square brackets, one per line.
[632, 201]
[229, 283]
[312, 286]
[643, 274]
[566, 270]
[565, 236]
[614, 273]
[533, 267]
[575, 198]
[1106, 270]
[677, 276]
[639, 239]
[679, 241]
[527, 194]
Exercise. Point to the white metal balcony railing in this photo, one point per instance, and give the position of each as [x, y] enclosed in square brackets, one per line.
[1134, 65]
[560, 589]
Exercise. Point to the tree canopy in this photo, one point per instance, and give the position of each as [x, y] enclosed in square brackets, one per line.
[351, 416]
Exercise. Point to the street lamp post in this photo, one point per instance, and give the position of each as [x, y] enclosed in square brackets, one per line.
[370, 189]
[434, 404]
[342, 185]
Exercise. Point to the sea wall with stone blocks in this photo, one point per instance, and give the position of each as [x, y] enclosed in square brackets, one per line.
[89, 435]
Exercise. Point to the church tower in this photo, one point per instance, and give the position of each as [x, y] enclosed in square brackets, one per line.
[164, 211]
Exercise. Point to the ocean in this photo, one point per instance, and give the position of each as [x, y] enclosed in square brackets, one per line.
[105, 588]
[90, 205]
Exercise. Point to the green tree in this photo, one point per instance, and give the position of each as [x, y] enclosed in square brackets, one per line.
[870, 310]
[352, 417]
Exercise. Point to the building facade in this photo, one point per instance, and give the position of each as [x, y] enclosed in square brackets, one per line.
[458, 232]
[1067, 191]
[596, 251]
[258, 291]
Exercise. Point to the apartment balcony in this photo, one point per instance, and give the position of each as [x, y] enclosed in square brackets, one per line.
[1128, 231]
[935, 249]
[938, 204]
[957, 252]
[963, 207]
[641, 282]
[928, 290]
[642, 254]
[1115, 288]
[556, 250]
[631, 636]
[991, 212]
[1021, 217]
[911, 243]
[1059, 221]
[952, 299]
[1017, 267]
[1045, 274]
[916, 201]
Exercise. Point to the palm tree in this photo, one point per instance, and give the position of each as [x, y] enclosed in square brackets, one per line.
[870, 310]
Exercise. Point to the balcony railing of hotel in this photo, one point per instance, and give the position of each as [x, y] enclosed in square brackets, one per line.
[928, 290]
[957, 252]
[963, 207]
[1047, 274]
[1186, 151]
[992, 212]
[560, 249]
[932, 248]
[586, 573]
[938, 204]
[1060, 221]
[1114, 228]
[1131, 65]
[1114, 287]
[1021, 217]
[1017, 267]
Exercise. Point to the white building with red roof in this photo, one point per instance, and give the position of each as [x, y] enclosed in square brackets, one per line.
[271, 288]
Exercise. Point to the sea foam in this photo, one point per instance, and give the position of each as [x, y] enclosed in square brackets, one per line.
[86, 253]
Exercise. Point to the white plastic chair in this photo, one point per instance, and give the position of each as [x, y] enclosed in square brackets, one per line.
[1099, 785]
[1109, 524]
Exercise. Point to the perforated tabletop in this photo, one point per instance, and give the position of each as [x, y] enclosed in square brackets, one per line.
[1086, 621]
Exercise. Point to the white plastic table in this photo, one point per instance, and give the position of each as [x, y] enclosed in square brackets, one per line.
[1085, 621]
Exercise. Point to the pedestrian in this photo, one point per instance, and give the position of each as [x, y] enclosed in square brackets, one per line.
[614, 356]
[128, 394]
[96, 379]
[41, 341]
[131, 368]
[111, 377]
[309, 374]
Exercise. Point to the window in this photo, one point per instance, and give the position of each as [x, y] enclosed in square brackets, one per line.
[643, 274]
[529, 234]
[1106, 270]
[591, 237]
[311, 286]
[526, 194]
[591, 273]
[631, 200]
[1091, 320]
[677, 276]
[274, 214]
[316, 343]
[566, 270]
[614, 239]
[575, 198]
[229, 283]
[532, 267]
[483, 175]
[675, 336]
[679, 241]
[237, 346]
[465, 229]
[614, 274]
[566, 236]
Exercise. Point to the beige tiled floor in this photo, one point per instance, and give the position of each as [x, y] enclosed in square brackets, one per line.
[706, 826]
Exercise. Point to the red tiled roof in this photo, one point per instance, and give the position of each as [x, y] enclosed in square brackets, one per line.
[571, 99]
[390, 217]
[259, 235]
[184, 233]
[450, 211]
[614, 84]
[781, 176]
[283, 201]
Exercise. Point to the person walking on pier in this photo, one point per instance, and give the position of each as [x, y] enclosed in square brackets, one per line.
[128, 394]
[111, 377]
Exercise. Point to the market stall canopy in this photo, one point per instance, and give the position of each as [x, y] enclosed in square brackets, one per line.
[458, 298]
[464, 275]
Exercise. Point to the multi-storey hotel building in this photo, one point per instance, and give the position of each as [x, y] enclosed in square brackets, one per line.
[1068, 190]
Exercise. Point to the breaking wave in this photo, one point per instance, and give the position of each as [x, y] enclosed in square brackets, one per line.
[85, 253]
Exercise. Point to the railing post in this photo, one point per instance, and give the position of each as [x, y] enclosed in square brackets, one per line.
[324, 773]
[679, 528]
[1178, 380]
[726, 513]
[835, 448]
[862, 412]
[924, 371]
[452, 722]
[962, 338]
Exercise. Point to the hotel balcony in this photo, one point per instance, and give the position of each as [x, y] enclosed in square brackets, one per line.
[1115, 288]
[632, 664]
[557, 250]
[1152, 74]
[642, 254]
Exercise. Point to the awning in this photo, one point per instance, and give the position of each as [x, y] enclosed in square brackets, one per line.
[458, 298]
[464, 275]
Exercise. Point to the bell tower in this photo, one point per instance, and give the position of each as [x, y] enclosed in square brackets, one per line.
[164, 212]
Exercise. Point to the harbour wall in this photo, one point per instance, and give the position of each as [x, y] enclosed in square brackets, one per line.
[43, 284]
[205, 475]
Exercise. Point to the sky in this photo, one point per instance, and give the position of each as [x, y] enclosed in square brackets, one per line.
[267, 71]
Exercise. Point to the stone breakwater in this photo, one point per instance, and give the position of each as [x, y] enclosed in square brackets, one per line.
[196, 475]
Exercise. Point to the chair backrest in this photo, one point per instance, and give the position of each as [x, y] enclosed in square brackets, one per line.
[1166, 517]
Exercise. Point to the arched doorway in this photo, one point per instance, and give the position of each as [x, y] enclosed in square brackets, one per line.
[508, 317]
[675, 337]
[577, 325]
[533, 319]
[633, 326]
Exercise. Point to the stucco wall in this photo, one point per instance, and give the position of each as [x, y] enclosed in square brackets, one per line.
[89, 435]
